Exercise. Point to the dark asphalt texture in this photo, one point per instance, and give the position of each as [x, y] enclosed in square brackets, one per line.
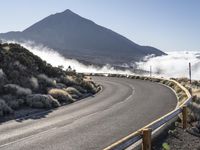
[122, 107]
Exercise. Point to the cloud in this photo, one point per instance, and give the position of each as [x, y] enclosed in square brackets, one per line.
[175, 64]
[55, 59]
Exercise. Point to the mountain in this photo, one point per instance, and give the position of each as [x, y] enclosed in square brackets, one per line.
[76, 37]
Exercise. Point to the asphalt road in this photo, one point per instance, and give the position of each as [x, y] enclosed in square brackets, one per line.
[122, 107]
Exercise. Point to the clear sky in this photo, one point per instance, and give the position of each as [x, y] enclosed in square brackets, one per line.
[169, 25]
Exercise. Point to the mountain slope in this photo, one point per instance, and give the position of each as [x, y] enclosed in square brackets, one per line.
[28, 81]
[82, 39]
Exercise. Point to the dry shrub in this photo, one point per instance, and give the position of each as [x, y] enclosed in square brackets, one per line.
[2, 74]
[182, 96]
[46, 81]
[3, 79]
[164, 81]
[195, 111]
[80, 89]
[16, 90]
[177, 89]
[60, 86]
[89, 86]
[61, 95]
[68, 80]
[42, 101]
[34, 83]
[156, 80]
[4, 108]
[74, 92]
[182, 80]
[12, 101]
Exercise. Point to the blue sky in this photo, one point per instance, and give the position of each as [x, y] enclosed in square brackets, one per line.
[169, 25]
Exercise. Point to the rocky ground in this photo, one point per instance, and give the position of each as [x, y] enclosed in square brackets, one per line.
[177, 138]
[26, 81]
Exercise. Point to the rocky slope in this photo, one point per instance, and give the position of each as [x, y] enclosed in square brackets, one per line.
[76, 37]
[26, 80]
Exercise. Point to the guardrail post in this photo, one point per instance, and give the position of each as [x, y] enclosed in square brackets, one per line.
[146, 139]
[185, 116]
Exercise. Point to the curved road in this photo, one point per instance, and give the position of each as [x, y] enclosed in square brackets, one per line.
[122, 107]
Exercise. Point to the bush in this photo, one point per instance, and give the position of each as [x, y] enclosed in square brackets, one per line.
[61, 95]
[4, 108]
[16, 90]
[68, 80]
[80, 89]
[156, 80]
[14, 104]
[182, 80]
[46, 81]
[164, 81]
[74, 92]
[182, 96]
[12, 101]
[42, 101]
[177, 89]
[89, 86]
[197, 100]
[34, 83]
[195, 109]
[60, 86]
[171, 84]
[3, 79]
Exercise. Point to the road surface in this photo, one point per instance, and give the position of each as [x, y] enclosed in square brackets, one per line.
[122, 107]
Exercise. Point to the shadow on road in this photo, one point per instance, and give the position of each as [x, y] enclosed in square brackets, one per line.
[26, 114]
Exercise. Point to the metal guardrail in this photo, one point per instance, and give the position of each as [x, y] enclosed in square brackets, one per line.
[138, 135]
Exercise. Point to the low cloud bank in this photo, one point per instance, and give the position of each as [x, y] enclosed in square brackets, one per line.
[55, 59]
[175, 64]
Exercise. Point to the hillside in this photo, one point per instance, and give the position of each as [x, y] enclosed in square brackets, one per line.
[76, 37]
[28, 81]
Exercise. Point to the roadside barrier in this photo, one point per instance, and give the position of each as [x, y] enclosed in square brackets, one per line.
[145, 133]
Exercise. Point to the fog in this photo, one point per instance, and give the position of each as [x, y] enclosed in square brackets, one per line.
[175, 64]
[55, 59]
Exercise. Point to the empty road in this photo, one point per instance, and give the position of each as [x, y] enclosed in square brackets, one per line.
[122, 107]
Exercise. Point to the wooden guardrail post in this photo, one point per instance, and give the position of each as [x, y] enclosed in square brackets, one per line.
[185, 116]
[146, 139]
